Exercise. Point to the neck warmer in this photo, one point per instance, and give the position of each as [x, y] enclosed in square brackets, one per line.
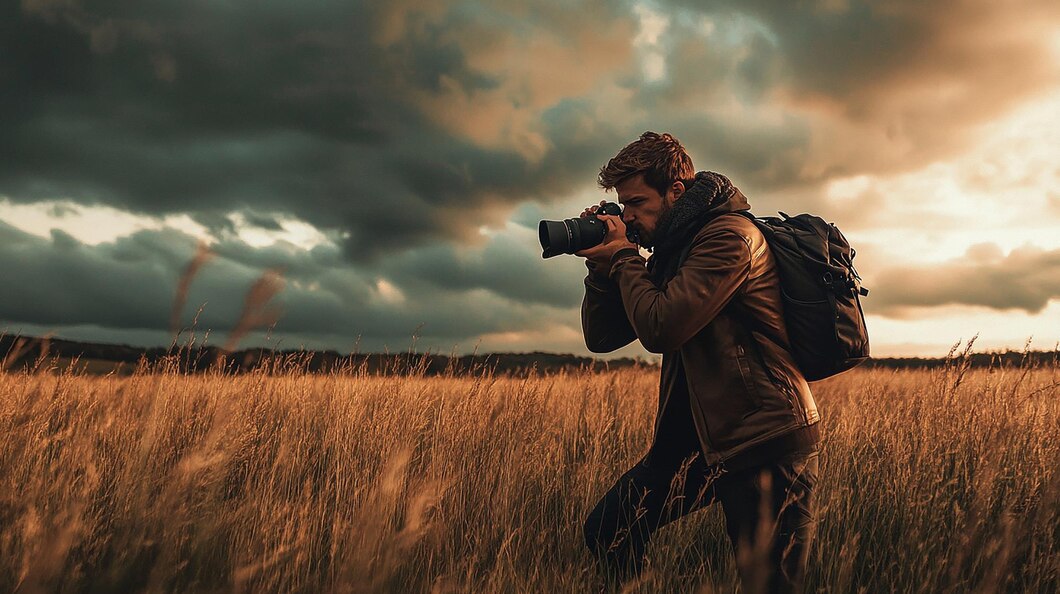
[710, 195]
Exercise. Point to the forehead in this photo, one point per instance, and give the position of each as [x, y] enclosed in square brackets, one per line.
[633, 187]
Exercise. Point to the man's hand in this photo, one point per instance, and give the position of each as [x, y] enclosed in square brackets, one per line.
[591, 210]
[599, 256]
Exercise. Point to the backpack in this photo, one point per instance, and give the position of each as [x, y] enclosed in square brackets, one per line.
[820, 290]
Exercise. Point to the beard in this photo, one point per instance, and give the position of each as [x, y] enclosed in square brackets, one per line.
[648, 239]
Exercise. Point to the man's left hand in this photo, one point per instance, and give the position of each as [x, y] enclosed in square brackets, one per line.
[600, 255]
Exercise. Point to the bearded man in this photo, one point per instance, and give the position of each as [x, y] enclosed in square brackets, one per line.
[736, 422]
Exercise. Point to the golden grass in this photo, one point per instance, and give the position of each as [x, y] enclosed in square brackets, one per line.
[932, 481]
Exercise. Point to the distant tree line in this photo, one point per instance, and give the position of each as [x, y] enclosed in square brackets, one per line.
[997, 359]
[22, 352]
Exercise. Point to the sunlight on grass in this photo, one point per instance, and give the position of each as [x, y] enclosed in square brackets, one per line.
[282, 481]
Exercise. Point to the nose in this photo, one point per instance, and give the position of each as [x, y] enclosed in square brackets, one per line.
[627, 216]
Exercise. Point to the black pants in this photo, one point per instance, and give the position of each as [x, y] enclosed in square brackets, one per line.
[769, 516]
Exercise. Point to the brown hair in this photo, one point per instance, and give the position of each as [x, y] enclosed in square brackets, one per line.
[660, 157]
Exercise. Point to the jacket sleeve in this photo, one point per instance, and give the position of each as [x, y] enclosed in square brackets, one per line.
[717, 265]
[604, 322]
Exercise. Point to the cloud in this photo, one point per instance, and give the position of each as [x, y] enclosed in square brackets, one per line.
[393, 157]
[507, 270]
[880, 87]
[405, 124]
[396, 125]
[1025, 279]
[130, 284]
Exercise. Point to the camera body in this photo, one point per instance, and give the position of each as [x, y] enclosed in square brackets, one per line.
[571, 235]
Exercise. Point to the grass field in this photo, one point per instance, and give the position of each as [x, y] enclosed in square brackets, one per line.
[931, 481]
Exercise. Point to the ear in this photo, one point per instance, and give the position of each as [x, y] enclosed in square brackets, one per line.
[676, 189]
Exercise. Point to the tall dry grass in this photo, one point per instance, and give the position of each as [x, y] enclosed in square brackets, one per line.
[940, 481]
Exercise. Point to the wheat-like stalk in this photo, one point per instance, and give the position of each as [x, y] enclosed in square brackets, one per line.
[282, 481]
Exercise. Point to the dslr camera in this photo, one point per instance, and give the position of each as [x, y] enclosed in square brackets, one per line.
[572, 235]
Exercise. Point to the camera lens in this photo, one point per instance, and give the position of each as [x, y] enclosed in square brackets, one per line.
[555, 238]
[571, 235]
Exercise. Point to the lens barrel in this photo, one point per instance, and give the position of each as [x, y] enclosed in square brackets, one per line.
[571, 235]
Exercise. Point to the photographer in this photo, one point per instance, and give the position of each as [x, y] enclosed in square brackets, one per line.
[736, 421]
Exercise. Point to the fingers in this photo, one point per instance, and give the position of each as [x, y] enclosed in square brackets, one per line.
[591, 210]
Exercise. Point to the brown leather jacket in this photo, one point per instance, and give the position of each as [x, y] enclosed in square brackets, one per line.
[720, 318]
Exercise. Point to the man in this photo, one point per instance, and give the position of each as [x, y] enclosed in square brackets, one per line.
[736, 421]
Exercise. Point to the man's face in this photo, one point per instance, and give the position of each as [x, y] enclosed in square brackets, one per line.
[643, 205]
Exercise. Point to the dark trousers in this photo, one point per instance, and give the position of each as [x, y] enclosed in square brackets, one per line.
[769, 516]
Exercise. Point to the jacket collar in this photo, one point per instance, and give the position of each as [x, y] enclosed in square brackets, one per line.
[710, 195]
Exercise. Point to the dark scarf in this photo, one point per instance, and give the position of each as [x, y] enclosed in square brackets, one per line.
[710, 195]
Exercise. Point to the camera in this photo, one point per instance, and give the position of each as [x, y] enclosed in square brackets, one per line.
[571, 235]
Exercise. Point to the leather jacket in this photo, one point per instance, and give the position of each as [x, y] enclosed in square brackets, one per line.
[718, 317]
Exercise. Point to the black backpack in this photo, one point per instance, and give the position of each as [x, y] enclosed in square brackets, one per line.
[820, 290]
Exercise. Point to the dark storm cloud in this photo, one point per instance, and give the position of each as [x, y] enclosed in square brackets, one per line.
[217, 223]
[876, 86]
[1026, 279]
[409, 123]
[333, 113]
[400, 128]
[61, 281]
[717, 97]
[129, 284]
[508, 270]
[262, 221]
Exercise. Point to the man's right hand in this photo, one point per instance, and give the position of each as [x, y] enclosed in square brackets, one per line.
[598, 257]
[594, 268]
[591, 265]
[591, 210]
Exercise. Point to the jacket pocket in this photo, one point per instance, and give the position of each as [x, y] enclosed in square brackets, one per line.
[750, 390]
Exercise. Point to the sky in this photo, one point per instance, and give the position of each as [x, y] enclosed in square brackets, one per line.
[384, 165]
